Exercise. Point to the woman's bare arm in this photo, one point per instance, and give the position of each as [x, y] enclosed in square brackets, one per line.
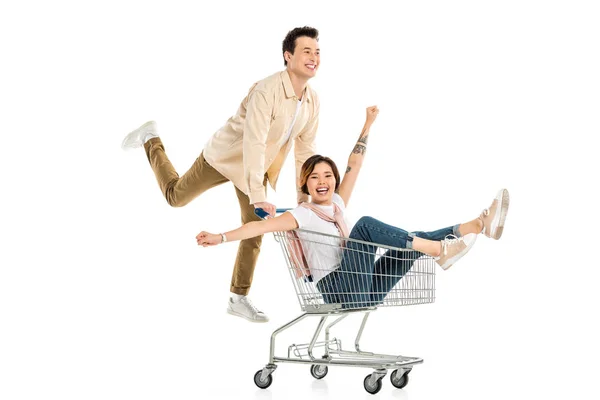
[356, 157]
[284, 222]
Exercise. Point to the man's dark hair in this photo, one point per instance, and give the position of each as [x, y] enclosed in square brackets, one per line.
[289, 43]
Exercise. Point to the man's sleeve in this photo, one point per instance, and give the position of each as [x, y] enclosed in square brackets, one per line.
[256, 129]
[305, 147]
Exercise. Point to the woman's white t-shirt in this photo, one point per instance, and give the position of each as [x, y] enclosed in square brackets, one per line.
[323, 253]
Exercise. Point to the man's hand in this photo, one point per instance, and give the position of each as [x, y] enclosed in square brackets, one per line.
[372, 113]
[206, 239]
[268, 207]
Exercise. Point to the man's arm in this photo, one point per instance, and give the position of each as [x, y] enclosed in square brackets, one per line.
[256, 129]
[305, 146]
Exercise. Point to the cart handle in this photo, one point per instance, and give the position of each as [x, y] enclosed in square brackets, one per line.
[263, 214]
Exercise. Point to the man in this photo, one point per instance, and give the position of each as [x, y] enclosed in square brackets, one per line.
[249, 150]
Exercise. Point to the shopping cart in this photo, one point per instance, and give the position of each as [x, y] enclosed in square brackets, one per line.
[366, 276]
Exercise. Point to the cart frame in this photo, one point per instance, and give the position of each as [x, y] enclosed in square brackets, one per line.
[415, 286]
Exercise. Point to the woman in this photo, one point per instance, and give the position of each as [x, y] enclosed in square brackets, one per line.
[325, 214]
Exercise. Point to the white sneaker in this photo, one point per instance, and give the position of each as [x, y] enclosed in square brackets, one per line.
[138, 137]
[454, 248]
[245, 309]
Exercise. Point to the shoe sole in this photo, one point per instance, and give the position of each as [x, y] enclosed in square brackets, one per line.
[497, 226]
[229, 311]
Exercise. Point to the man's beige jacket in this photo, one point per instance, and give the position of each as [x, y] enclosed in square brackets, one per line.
[253, 141]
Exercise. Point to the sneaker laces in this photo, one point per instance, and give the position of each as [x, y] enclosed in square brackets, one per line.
[250, 305]
[448, 241]
[482, 216]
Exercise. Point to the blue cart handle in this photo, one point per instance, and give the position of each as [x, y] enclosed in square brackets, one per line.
[263, 214]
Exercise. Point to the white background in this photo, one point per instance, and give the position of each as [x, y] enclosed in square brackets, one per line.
[103, 292]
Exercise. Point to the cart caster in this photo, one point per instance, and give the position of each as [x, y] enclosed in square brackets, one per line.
[370, 387]
[399, 382]
[318, 371]
[263, 384]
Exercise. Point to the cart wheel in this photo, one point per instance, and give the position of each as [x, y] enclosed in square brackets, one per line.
[263, 384]
[318, 371]
[399, 382]
[372, 388]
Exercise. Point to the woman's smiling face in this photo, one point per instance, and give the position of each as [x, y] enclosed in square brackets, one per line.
[321, 184]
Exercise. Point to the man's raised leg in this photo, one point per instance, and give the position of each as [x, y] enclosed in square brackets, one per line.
[177, 191]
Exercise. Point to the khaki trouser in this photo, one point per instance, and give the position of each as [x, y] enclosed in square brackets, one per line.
[198, 179]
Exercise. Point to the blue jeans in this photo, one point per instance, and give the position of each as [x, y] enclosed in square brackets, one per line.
[360, 281]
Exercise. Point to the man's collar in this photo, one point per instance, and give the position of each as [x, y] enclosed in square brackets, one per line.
[289, 89]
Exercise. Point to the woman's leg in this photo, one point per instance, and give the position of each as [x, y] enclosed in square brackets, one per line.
[460, 230]
[360, 274]
[331, 287]
[389, 269]
[371, 230]
[393, 264]
[440, 234]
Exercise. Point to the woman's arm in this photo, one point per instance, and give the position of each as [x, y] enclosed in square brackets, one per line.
[284, 222]
[356, 157]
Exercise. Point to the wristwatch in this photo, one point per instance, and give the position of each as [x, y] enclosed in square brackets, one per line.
[223, 238]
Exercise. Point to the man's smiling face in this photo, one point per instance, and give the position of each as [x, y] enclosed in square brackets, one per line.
[306, 58]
